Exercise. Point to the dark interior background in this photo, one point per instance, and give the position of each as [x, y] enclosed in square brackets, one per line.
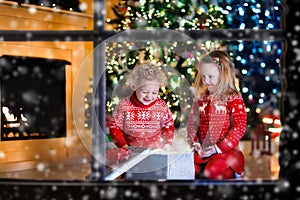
[36, 85]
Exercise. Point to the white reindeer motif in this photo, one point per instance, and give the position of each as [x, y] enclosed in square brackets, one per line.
[220, 108]
[202, 108]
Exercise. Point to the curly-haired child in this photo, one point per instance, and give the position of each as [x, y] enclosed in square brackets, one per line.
[143, 119]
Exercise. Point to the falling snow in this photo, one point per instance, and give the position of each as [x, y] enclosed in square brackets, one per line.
[287, 187]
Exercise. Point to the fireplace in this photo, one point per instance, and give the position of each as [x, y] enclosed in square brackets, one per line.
[51, 138]
[33, 98]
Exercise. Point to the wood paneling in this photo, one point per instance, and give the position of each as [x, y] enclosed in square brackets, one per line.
[20, 155]
[29, 17]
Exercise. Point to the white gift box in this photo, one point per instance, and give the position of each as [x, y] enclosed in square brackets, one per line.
[172, 166]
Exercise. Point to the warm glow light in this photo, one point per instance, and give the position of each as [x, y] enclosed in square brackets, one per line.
[275, 130]
[267, 120]
[277, 138]
[277, 121]
[8, 116]
[23, 118]
[11, 118]
[257, 110]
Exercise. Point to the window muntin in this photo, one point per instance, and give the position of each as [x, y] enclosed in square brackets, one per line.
[53, 36]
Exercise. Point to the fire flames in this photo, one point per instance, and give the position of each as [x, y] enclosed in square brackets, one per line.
[12, 120]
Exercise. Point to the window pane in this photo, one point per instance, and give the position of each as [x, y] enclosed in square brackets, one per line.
[193, 15]
[250, 14]
[257, 67]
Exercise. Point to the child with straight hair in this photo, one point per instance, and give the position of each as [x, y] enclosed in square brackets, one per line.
[217, 120]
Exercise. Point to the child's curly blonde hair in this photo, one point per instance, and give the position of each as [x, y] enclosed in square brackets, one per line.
[144, 73]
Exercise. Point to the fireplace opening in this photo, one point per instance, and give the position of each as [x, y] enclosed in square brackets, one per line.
[33, 98]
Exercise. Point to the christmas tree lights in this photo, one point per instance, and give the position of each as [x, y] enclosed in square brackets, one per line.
[257, 62]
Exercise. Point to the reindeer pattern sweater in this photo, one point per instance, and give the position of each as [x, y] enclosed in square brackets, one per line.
[136, 124]
[216, 123]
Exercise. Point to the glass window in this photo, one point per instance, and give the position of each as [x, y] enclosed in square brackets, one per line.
[193, 15]
[251, 31]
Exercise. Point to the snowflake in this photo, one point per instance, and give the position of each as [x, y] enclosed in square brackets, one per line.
[156, 115]
[143, 115]
[130, 115]
[297, 51]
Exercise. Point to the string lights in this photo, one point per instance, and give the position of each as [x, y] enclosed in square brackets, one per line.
[257, 62]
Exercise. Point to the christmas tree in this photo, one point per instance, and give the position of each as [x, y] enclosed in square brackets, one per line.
[163, 14]
[257, 62]
[169, 14]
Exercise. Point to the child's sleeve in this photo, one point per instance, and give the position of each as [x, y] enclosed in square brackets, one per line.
[192, 124]
[115, 129]
[238, 125]
[168, 128]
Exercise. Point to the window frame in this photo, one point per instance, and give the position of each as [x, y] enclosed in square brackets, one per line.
[99, 34]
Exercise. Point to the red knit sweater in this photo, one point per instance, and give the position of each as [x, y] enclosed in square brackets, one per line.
[135, 124]
[222, 124]
[216, 123]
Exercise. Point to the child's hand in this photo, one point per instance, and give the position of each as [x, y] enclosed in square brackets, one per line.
[125, 147]
[208, 151]
[113, 156]
[196, 146]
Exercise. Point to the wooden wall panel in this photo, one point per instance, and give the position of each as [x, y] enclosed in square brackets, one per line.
[29, 17]
[20, 155]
